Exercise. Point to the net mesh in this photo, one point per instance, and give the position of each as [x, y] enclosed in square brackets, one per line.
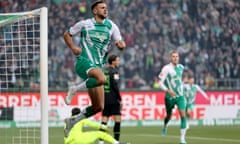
[20, 79]
[20, 45]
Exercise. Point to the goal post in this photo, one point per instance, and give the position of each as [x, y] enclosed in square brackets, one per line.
[23, 71]
[44, 74]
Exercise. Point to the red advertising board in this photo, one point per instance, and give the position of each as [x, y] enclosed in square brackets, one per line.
[137, 105]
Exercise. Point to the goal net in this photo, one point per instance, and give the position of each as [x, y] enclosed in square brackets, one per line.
[24, 77]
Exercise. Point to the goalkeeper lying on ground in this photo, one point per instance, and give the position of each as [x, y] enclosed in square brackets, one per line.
[74, 133]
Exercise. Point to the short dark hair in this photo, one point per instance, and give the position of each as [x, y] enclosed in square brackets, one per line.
[75, 111]
[112, 58]
[173, 51]
[95, 3]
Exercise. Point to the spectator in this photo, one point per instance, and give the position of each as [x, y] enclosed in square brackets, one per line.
[205, 32]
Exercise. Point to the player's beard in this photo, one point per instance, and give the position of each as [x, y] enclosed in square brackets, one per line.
[101, 16]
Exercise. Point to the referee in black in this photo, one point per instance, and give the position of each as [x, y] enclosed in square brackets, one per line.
[113, 101]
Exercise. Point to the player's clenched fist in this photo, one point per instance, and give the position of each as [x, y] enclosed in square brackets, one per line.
[120, 44]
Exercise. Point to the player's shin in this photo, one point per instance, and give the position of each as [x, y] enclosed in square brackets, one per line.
[183, 130]
[89, 111]
[86, 112]
[116, 130]
[183, 122]
[166, 120]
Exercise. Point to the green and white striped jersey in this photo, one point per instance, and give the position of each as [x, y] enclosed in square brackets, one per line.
[171, 78]
[95, 38]
[191, 91]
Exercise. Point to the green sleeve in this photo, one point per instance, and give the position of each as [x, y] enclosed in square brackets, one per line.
[92, 124]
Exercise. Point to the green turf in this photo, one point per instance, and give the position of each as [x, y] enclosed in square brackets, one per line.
[195, 135]
[144, 135]
[151, 135]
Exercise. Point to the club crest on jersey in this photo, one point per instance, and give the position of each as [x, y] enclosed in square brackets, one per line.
[100, 36]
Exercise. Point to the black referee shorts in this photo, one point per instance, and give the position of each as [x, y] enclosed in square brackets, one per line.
[111, 109]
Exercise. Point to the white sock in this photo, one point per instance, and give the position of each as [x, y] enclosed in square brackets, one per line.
[101, 142]
[187, 123]
[182, 134]
[80, 86]
[116, 142]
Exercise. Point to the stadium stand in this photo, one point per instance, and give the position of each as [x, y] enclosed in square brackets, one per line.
[206, 33]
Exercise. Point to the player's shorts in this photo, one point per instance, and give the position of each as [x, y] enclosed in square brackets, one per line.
[111, 109]
[83, 65]
[171, 102]
[190, 106]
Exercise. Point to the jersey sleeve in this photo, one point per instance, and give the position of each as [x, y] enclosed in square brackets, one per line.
[114, 78]
[162, 76]
[116, 33]
[93, 124]
[89, 123]
[182, 67]
[201, 91]
[76, 28]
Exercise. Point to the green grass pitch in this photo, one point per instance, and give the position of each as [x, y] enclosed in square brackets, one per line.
[138, 135]
[151, 135]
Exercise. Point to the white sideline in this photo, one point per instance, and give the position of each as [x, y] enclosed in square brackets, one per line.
[187, 137]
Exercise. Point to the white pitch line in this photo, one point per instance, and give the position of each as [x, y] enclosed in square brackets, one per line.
[189, 137]
[208, 139]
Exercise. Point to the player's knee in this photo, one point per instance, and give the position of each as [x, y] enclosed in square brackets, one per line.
[102, 80]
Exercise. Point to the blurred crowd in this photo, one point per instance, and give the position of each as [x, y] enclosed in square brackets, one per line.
[205, 32]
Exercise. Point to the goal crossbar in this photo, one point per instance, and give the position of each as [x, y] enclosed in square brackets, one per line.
[7, 18]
